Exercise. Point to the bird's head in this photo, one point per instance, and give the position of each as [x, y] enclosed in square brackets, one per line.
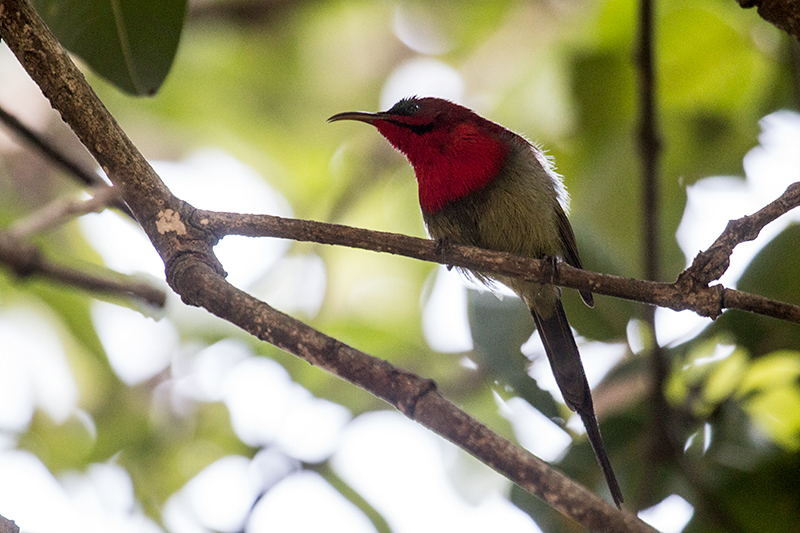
[453, 150]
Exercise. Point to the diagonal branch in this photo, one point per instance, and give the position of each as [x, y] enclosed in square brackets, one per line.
[194, 272]
[61, 211]
[84, 176]
[711, 264]
[413, 396]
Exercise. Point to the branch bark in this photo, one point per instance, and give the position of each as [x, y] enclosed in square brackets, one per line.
[711, 264]
[62, 210]
[194, 272]
[25, 261]
[8, 526]
[684, 294]
[184, 238]
[83, 175]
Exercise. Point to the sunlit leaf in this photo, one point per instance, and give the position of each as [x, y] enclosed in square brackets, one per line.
[777, 412]
[777, 369]
[725, 377]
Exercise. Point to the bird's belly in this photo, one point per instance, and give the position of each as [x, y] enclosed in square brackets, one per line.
[497, 220]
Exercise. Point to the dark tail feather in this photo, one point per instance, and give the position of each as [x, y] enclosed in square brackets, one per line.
[593, 431]
[559, 344]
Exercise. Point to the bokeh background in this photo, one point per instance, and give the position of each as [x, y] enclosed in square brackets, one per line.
[116, 416]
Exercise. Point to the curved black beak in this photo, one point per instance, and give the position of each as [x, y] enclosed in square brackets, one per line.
[360, 116]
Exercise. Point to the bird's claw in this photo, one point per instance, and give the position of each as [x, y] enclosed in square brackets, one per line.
[552, 267]
[443, 245]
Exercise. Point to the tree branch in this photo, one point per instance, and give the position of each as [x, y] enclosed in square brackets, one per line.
[26, 261]
[62, 210]
[84, 176]
[679, 296]
[711, 264]
[194, 273]
[413, 396]
[8, 526]
[649, 143]
[661, 447]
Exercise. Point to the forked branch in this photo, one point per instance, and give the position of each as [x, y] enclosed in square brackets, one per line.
[194, 272]
[184, 237]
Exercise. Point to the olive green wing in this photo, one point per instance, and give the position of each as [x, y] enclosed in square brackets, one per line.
[570, 249]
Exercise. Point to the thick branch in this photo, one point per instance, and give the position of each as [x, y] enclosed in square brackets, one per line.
[415, 397]
[194, 273]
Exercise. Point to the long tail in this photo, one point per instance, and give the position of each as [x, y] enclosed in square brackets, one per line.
[559, 344]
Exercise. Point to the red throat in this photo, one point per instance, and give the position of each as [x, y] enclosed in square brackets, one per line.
[449, 162]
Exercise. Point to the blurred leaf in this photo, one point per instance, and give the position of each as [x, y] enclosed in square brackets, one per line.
[717, 78]
[762, 499]
[771, 396]
[780, 368]
[774, 271]
[767, 497]
[499, 329]
[725, 377]
[131, 43]
[63, 446]
[777, 411]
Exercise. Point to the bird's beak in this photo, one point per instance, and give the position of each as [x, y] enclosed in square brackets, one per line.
[360, 116]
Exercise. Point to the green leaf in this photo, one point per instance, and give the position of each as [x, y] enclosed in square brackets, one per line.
[778, 369]
[772, 398]
[499, 328]
[130, 43]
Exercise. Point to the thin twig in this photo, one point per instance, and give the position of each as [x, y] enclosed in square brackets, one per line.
[649, 143]
[62, 210]
[661, 443]
[26, 261]
[84, 176]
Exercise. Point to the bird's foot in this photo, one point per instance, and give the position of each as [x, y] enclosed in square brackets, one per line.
[552, 267]
[443, 245]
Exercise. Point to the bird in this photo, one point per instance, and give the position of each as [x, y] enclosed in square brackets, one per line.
[483, 185]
